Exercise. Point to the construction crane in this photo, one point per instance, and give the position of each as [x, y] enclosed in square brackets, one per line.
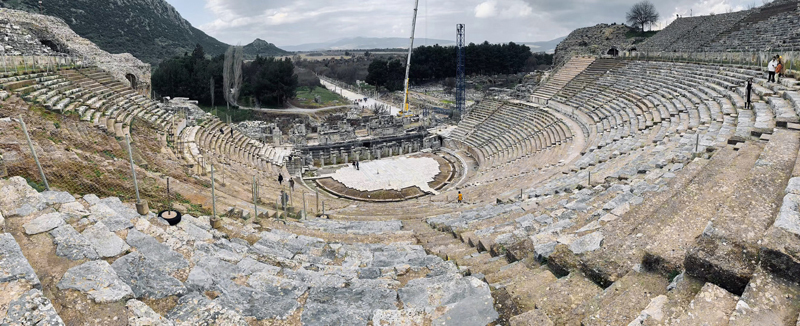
[404, 110]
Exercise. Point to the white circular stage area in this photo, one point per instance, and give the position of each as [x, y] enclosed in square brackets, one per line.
[390, 179]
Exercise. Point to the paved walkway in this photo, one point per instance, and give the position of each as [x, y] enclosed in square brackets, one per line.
[354, 96]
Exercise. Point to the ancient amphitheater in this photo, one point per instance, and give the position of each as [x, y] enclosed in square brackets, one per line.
[626, 191]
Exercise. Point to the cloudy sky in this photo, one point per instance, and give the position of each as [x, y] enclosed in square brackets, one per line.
[293, 22]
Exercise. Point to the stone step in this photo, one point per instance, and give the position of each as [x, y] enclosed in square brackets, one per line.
[727, 252]
[780, 252]
[622, 302]
[528, 287]
[559, 298]
[711, 306]
[533, 317]
[681, 219]
[767, 300]
[667, 309]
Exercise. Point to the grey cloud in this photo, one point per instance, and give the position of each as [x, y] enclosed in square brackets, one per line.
[290, 22]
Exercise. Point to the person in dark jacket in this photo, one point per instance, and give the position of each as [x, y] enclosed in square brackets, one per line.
[280, 179]
[749, 89]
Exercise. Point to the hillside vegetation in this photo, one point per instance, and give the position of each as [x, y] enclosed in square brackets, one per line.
[151, 30]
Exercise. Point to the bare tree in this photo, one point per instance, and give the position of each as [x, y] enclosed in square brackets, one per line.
[642, 13]
[232, 74]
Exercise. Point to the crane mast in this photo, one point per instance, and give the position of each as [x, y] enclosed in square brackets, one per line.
[404, 110]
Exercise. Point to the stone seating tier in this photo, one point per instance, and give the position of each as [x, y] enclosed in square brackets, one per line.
[372, 283]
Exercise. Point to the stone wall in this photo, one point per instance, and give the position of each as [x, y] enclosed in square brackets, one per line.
[35, 35]
[595, 40]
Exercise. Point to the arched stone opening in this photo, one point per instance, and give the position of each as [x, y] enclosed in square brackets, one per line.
[50, 44]
[132, 79]
[613, 52]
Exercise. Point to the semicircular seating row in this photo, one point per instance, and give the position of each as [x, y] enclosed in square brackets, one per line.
[645, 119]
[500, 133]
[216, 137]
[96, 97]
[92, 94]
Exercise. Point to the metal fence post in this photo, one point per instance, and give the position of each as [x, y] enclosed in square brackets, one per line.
[255, 201]
[35, 157]
[304, 205]
[213, 195]
[133, 169]
[697, 143]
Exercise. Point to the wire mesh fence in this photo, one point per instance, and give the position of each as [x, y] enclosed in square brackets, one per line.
[66, 154]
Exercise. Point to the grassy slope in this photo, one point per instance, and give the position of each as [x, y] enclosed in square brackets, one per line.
[305, 98]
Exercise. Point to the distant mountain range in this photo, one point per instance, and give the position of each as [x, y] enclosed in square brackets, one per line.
[546, 46]
[365, 43]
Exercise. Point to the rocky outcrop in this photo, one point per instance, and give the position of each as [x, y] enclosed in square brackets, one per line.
[601, 39]
[151, 30]
[37, 35]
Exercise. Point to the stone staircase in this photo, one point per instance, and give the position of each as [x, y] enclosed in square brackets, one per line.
[561, 78]
[594, 71]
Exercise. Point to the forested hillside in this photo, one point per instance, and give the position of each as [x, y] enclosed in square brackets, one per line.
[151, 30]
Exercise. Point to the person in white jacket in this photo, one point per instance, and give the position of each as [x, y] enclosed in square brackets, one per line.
[773, 64]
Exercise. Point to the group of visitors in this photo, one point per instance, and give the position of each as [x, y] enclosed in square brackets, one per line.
[280, 181]
[362, 102]
[775, 67]
[356, 165]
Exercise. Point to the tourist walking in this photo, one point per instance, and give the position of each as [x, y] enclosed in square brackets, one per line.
[779, 69]
[771, 67]
[749, 89]
[460, 197]
[291, 184]
[280, 179]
